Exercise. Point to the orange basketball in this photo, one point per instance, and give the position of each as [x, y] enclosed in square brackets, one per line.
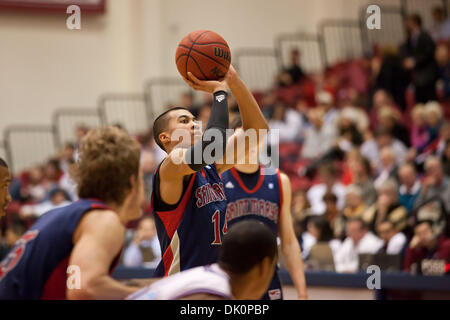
[203, 53]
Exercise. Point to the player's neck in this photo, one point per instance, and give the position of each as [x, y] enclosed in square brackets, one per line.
[247, 168]
[120, 211]
[241, 287]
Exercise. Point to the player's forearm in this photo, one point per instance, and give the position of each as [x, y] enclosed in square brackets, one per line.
[102, 288]
[252, 117]
[291, 252]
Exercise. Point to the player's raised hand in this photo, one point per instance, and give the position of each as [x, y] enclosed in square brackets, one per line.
[231, 75]
[209, 86]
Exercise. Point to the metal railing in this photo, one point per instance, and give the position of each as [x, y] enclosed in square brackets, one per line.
[164, 92]
[28, 145]
[258, 67]
[66, 120]
[310, 46]
[342, 40]
[128, 110]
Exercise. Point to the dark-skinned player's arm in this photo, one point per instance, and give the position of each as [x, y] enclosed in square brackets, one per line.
[96, 244]
[180, 161]
[252, 118]
[289, 243]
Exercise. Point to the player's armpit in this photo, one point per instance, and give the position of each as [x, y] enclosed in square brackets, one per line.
[98, 239]
[202, 296]
[174, 167]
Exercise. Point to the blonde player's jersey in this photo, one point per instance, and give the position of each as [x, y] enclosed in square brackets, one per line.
[209, 279]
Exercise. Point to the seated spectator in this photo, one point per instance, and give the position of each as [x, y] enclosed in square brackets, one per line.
[148, 168]
[433, 117]
[441, 26]
[288, 121]
[57, 198]
[349, 135]
[361, 171]
[386, 207]
[13, 233]
[66, 156]
[381, 99]
[425, 245]
[445, 158]
[444, 135]
[356, 116]
[292, 74]
[67, 181]
[394, 242]
[435, 183]
[390, 119]
[388, 167]
[52, 173]
[331, 209]
[359, 240]
[145, 249]
[383, 138]
[419, 132]
[410, 186]
[36, 189]
[353, 209]
[318, 138]
[325, 101]
[320, 256]
[329, 184]
[443, 61]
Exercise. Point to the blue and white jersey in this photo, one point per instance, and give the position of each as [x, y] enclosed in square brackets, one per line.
[191, 234]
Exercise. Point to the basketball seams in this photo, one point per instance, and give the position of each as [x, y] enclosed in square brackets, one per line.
[203, 54]
[189, 53]
[198, 66]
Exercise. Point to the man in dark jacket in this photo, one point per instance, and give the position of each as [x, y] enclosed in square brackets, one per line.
[418, 59]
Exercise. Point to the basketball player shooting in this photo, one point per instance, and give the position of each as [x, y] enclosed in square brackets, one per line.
[188, 198]
[86, 235]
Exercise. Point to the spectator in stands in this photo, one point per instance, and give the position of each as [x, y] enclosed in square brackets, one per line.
[390, 76]
[148, 165]
[57, 198]
[435, 183]
[80, 132]
[445, 158]
[443, 61]
[66, 155]
[67, 182]
[444, 135]
[318, 138]
[36, 189]
[331, 208]
[300, 210]
[360, 170]
[394, 242]
[356, 116]
[410, 186]
[386, 207]
[329, 178]
[12, 234]
[319, 241]
[325, 101]
[425, 245]
[383, 138]
[52, 172]
[419, 131]
[294, 73]
[387, 168]
[433, 116]
[359, 240]
[288, 121]
[390, 119]
[354, 207]
[418, 54]
[145, 249]
[441, 26]
[381, 99]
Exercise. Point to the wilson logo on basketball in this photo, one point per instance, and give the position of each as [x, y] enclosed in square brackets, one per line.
[220, 53]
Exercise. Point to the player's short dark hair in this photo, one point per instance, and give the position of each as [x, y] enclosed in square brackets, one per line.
[245, 245]
[160, 124]
[3, 163]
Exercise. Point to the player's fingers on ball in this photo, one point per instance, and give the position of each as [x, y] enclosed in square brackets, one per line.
[194, 78]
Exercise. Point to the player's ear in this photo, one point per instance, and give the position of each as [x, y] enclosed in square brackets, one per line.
[164, 137]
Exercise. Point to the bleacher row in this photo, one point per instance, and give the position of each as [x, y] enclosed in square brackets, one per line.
[336, 43]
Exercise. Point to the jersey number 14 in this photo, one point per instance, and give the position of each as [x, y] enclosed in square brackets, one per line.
[216, 222]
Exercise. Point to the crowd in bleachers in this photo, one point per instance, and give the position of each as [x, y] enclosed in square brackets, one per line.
[366, 144]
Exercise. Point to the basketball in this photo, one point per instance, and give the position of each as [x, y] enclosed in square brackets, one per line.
[203, 53]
